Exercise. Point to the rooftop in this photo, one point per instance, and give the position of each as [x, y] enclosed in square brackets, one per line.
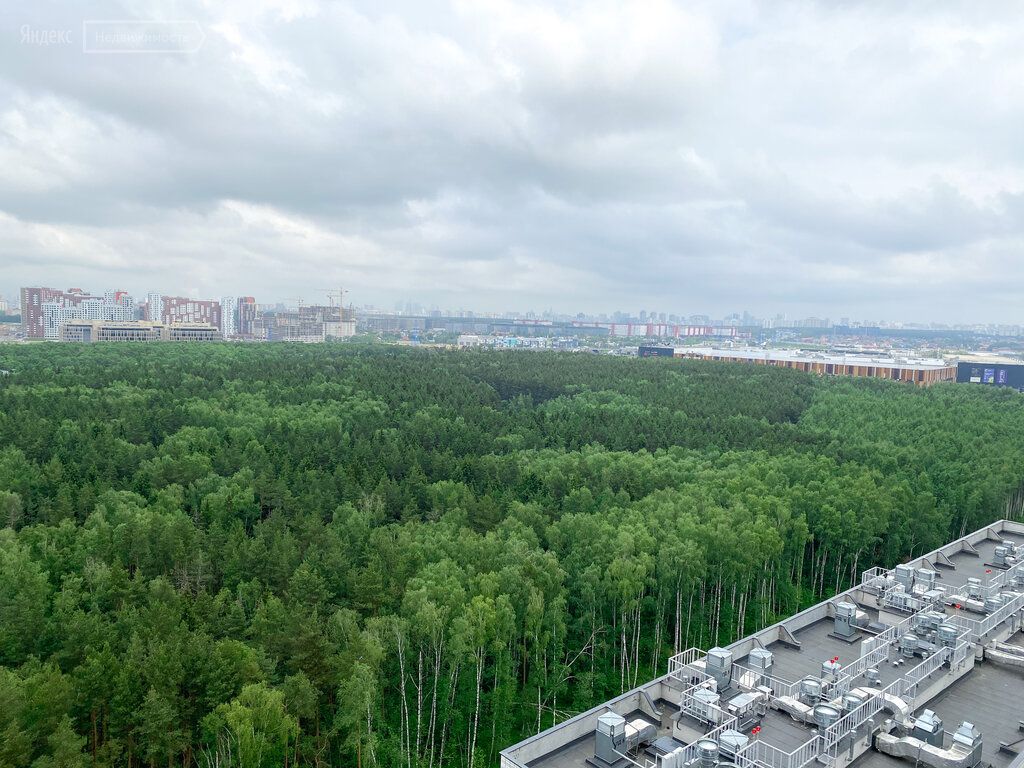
[942, 633]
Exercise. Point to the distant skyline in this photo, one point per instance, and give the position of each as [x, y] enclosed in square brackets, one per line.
[726, 316]
[856, 159]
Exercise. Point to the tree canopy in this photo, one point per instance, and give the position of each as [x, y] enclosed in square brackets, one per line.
[264, 555]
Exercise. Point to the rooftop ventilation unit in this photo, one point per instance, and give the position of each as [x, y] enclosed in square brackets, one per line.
[846, 616]
[927, 623]
[810, 691]
[851, 701]
[928, 728]
[905, 576]
[615, 737]
[926, 579]
[761, 661]
[830, 670]
[706, 705]
[825, 715]
[748, 709]
[974, 588]
[707, 753]
[732, 741]
[719, 666]
[947, 634]
[909, 645]
[1006, 555]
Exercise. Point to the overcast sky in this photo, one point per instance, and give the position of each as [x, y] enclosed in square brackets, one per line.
[861, 159]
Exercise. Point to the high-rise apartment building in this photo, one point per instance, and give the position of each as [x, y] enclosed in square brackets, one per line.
[247, 316]
[154, 307]
[47, 309]
[181, 309]
[229, 316]
[118, 306]
[32, 300]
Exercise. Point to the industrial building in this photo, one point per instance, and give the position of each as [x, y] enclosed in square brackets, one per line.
[92, 331]
[920, 666]
[922, 372]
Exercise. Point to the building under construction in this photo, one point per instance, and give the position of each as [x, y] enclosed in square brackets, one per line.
[311, 324]
[921, 666]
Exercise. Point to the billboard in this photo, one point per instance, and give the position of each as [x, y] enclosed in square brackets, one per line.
[992, 374]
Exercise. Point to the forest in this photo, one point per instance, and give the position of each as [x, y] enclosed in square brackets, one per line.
[341, 555]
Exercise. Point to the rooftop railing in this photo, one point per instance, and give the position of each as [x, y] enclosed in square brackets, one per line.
[760, 753]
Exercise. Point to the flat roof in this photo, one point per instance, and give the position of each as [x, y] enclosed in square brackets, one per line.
[977, 677]
[809, 356]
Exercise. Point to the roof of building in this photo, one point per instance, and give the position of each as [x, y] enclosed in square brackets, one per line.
[813, 356]
[951, 643]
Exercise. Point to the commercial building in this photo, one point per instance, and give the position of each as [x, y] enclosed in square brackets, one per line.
[920, 666]
[993, 374]
[922, 372]
[92, 331]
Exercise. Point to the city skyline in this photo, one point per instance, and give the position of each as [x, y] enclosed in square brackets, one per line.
[655, 317]
[792, 157]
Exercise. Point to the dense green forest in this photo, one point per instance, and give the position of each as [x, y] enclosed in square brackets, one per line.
[259, 555]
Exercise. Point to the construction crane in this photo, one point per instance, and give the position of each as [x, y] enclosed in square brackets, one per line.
[333, 294]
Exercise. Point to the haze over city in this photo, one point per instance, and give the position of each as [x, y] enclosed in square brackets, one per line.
[857, 159]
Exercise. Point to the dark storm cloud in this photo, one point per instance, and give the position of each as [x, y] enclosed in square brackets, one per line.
[490, 154]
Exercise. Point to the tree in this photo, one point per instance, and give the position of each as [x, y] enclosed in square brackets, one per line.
[257, 724]
[65, 748]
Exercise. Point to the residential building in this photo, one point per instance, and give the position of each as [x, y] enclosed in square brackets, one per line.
[154, 307]
[32, 300]
[229, 316]
[246, 324]
[181, 309]
[118, 305]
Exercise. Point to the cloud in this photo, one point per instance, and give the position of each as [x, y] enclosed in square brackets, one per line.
[687, 157]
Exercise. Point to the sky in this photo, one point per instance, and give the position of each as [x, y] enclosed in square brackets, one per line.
[859, 159]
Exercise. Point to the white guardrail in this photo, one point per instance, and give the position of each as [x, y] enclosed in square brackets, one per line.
[763, 755]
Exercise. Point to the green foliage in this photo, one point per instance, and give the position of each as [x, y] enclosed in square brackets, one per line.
[245, 555]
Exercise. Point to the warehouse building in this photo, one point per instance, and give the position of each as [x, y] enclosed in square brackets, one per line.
[918, 371]
[921, 666]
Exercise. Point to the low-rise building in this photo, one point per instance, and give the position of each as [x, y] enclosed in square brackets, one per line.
[920, 371]
[92, 331]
